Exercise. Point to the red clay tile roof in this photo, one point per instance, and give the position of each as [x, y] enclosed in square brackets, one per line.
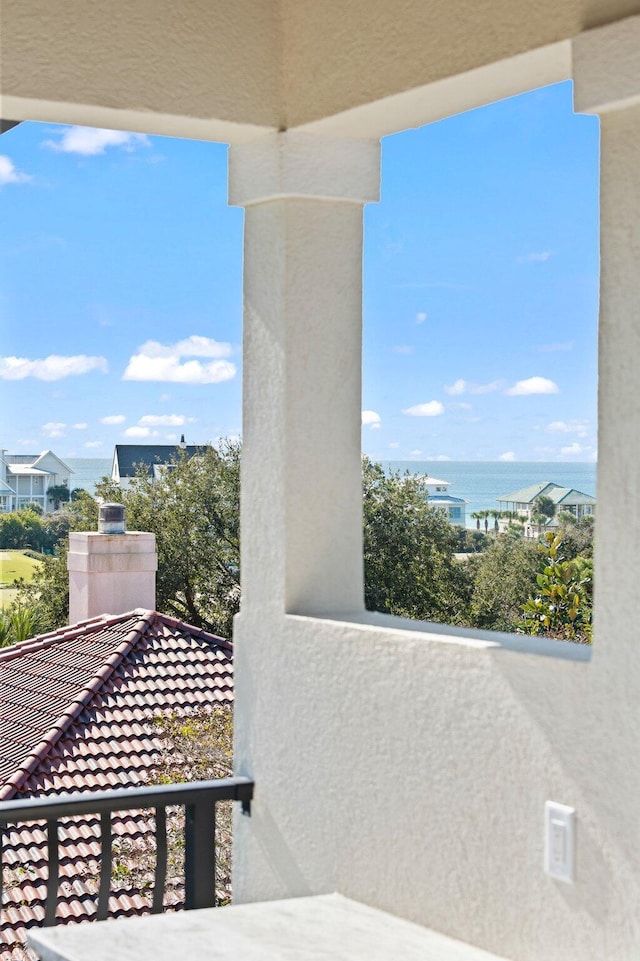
[76, 714]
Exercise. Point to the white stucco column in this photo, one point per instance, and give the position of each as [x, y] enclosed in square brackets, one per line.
[607, 82]
[301, 471]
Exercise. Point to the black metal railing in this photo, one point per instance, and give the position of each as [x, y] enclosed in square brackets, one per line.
[199, 801]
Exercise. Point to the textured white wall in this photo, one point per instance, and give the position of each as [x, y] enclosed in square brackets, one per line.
[407, 765]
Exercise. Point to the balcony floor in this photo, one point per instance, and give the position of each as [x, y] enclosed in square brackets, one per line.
[322, 928]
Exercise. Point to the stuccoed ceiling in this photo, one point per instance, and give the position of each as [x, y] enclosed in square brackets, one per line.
[220, 70]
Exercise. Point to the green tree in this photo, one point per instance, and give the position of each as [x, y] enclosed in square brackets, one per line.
[18, 623]
[409, 567]
[561, 605]
[48, 591]
[504, 579]
[193, 510]
[544, 510]
[58, 494]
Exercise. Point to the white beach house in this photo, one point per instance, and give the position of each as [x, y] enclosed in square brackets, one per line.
[438, 496]
[26, 479]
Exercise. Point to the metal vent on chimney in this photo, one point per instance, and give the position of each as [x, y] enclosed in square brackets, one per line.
[111, 519]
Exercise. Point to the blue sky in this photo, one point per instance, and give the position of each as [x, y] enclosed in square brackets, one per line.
[121, 289]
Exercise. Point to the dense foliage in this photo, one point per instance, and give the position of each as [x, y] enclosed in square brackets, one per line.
[194, 511]
[19, 623]
[561, 605]
[28, 528]
[409, 567]
[503, 581]
[416, 564]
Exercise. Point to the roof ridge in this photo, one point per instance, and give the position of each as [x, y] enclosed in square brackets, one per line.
[197, 631]
[79, 702]
[67, 633]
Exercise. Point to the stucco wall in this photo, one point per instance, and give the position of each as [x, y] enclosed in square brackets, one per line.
[410, 772]
[407, 766]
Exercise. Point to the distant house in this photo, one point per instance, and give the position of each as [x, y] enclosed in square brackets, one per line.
[438, 497]
[26, 479]
[522, 502]
[78, 715]
[154, 458]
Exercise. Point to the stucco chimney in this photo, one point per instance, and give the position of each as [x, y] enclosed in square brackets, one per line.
[111, 571]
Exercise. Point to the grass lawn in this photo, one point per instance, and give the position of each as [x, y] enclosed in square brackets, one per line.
[13, 565]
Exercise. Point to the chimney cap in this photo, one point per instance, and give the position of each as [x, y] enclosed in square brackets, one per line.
[111, 519]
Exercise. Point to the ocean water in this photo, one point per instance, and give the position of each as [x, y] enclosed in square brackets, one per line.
[87, 471]
[482, 482]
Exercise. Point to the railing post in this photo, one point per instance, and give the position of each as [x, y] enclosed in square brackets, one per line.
[53, 868]
[199, 855]
[106, 855]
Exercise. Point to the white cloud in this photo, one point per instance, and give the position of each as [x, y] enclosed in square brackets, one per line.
[462, 406]
[579, 427]
[403, 349]
[113, 419]
[573, 449]
[165, 420]
[53, 367]
[432, 408]
[155, 361]
[508, 455]
[53, 429]
[165, 397]
[81, 426]
[421, 317]
[171, 436]
[533, 385]
[90, 141]
[93, 443]
[9, 174]
[371, 419]
[394, 445]
[415, 453]
[461, 386]
[137, 432]
[442, 458]
[538, 257]
[458, 387]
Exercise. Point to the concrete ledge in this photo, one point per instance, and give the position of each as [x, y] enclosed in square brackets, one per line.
[323, 928]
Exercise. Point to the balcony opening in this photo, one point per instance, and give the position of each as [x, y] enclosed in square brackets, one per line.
[480, 369]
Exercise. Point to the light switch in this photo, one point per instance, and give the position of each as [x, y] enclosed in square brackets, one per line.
[559, 841]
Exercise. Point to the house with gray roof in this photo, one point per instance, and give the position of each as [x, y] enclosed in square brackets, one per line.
[522, 502]
[129, 459]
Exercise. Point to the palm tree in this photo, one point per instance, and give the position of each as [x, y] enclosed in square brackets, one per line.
[477, 515]
[543, 511]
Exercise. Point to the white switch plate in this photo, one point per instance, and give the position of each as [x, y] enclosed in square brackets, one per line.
[559, 841]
